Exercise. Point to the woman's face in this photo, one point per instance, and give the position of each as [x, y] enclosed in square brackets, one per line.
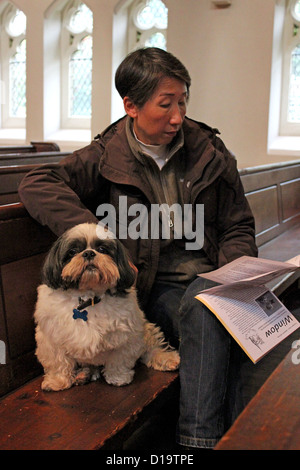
[161, 117]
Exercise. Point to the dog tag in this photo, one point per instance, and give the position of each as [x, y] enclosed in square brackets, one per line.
[78, 314]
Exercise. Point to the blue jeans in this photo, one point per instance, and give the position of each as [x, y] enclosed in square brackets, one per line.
[210, 381]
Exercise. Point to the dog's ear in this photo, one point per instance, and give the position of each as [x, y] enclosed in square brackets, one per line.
[53, 266]
[126, 269]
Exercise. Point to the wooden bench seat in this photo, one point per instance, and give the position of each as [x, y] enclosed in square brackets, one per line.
[88, 417]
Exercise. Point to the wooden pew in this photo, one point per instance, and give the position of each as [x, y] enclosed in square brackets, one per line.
[33, 147]
[16, 161]
[31, 158]
[23, 248]
[271, 421]
[10, 178]
[273, 192]
[13, 168]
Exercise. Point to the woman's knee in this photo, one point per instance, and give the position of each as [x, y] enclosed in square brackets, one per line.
[195, 287]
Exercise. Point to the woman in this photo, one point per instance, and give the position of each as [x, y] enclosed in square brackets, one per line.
[157, 157]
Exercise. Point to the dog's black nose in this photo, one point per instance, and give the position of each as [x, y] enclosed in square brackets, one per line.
[88, 254]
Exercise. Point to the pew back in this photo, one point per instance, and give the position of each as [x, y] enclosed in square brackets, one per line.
[33, 147]
[14, 167]
[24, 243]
[273, 192]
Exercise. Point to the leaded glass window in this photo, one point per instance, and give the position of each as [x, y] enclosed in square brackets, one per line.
[17, 82]
[295, 9]
[153, 14]
[13, 67]
[157, 40]
[150, 19]
[77, 51]
[294, 72]
[80, 70]
[15, 23]
[294, 89]
[80, 19]
[290, 94]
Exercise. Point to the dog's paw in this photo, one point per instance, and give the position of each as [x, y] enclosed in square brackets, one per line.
[164, 360]
[118, 378]
[95, 375]
[82, 376]
[55, 383]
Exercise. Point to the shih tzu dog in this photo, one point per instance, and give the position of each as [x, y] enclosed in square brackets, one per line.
[87, 314]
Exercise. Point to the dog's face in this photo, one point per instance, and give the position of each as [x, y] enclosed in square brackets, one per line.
[88, 258]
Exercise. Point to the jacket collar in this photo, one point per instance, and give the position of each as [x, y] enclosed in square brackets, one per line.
[175, 145]
[118, 166]
[201, 139]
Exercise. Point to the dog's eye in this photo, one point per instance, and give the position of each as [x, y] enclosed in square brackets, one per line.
[72, 252]
[101, 249]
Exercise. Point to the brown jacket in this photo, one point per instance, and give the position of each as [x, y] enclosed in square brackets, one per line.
[61, 196]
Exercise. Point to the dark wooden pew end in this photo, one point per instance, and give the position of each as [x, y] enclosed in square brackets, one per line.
[271, 420]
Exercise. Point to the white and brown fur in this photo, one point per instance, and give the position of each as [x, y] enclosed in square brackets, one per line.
[86, 262]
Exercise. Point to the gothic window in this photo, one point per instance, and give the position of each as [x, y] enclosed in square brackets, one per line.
[17, 82]
[294, 87]
[77, 54]
[80, 74]
[13, 76]
[149, 24]
[290, 106]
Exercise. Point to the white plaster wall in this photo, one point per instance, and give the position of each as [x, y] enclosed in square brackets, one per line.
[228, 53]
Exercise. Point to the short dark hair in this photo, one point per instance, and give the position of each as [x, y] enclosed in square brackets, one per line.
[141, 71]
